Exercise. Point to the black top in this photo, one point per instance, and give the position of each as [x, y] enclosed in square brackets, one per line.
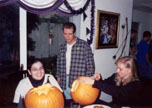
[123, 95]
[150, 51]
[36, 83]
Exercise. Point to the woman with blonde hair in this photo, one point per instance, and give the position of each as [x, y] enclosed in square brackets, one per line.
[130, 71]
[124, 86]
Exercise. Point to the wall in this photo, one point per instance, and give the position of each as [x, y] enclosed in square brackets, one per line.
[103, 57]
[144, 21]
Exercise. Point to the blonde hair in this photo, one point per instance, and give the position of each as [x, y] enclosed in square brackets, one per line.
[128, 63]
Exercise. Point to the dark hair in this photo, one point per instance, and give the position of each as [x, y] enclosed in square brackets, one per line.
[69, 25]
[32, 61]
[133, 31]
[146, 34]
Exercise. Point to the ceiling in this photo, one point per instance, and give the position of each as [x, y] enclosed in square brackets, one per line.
[143, 5]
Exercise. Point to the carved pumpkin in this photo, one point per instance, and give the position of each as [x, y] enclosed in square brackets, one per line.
[45, 96]
[82, 91]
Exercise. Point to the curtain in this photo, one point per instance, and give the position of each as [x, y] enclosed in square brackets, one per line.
[6, 2]
[40, 6]
[62, 7]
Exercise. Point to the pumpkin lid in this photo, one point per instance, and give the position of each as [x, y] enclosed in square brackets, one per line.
[81, 80]
[44, 89]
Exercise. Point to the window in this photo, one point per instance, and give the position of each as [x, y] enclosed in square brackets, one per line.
[45, 36]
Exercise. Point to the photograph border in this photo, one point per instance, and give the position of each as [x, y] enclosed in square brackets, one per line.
[107, 17]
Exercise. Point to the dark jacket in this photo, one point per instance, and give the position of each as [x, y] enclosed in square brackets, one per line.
[123, 95]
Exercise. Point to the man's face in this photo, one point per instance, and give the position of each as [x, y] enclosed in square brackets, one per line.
[133, 35]
[148, 38]
[69, 35]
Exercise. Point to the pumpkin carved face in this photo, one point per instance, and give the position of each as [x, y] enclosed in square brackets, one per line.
[84, 93]
[45, 96]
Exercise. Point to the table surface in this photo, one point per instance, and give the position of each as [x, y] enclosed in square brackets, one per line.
[98, 102]
[92, 106]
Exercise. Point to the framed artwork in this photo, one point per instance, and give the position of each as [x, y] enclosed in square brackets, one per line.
[107, 29]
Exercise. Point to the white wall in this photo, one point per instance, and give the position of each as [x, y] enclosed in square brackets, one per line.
[103, 57]
[144, 20]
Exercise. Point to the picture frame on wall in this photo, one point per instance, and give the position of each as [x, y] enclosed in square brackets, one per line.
[107, 29]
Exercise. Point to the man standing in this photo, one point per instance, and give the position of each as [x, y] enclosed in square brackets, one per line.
[142, 54]
[132, 49]
[75, 59]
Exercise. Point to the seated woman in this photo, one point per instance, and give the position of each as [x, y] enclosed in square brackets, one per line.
[36, 78]
[124, 86]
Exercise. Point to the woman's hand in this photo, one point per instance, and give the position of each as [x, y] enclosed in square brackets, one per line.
[97, 76]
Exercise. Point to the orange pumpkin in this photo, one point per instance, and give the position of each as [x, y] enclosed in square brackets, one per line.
[82, 91]
[45, 96]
